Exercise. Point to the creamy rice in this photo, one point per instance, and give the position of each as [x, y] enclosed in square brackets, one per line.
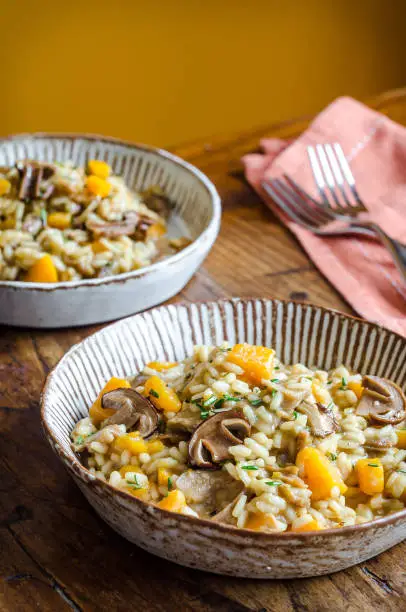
[288, 473]
[81, 222]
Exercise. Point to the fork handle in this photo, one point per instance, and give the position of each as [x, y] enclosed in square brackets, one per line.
[396, 249]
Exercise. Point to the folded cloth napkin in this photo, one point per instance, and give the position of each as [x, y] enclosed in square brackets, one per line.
[360, 268]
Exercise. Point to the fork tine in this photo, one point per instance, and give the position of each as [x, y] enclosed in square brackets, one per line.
[348, 175]
[324, 213]
[327, 173]
[317, 174]
[339, 179]
[272, 190]
[302, 208]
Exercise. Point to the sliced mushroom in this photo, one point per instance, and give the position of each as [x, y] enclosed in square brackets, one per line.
[321, 418]
[382, 444]
[142, 227]
[116, 228]
[210, 442]
[207, 491]
[32, 174]
[186, 420]
[132, 409]
[382, 401]
[157, 201]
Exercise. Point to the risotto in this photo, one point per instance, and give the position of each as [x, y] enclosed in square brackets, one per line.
[234, 435]
[60, 223]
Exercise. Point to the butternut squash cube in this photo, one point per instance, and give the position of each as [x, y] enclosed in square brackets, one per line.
[96, 412]
[310, 526]
[356, 387]
[98, 168]
[98, 186]
[319, 473]
[160, 366]
[370, 475]
[155, 446]
[135, 445]
[175, 501]
[59, 220]
[256, 361]
[156, 230]
[163, 476]
[5, 186]
[163, 397]
[401, 434]
[259, 521]
[43, 271]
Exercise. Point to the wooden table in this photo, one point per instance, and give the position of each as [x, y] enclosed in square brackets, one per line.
[56, 554]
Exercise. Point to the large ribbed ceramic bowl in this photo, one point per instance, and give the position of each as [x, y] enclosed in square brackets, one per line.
[196, 214]
[299, 332]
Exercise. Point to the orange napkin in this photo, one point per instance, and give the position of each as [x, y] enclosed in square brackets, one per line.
[360, 268]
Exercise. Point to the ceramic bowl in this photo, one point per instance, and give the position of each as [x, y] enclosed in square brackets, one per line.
[196, 214]
[299, 332]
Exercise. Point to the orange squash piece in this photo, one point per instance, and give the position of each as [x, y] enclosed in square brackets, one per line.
[163, 476]
[260, 520]
[59, 220]
[356, 387]
[310, 526]
[98, 247]
[163, 397]
[99, 168]
[156, 230]
[128, 468]
[175, 501]
[5, 186]
[43, 271]
[401, 434]
[131, 442]
[319, 473]
[96, 412]
[160, 366]
[98, 186]
[370, 476]
[256, 361]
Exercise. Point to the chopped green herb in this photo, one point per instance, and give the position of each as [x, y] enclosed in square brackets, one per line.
[230, 398]
[401, 471]
[219, 403]
[276, 368]
[135, 483]
[170, 485]
[225, 350]
[273, 392]
[79, 440]
[332, 456]
[204, 414]
[211, 400]
[343, 383]
[274, 380]
[256, 402]
[373, 465]
[153, 393]
[331, 405]
[273, 483]
[249, 467]
[329, 382]
[295, 414]
[309, 377]
[44, 216]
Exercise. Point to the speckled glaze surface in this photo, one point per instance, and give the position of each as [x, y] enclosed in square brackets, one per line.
[299, 332]
[196, 213]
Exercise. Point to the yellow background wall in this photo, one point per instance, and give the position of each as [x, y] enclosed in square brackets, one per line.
[164, 72]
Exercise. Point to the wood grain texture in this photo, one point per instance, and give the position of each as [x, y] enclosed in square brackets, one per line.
[55, 553]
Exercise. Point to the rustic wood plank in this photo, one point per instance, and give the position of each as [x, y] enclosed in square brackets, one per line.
[56, 553]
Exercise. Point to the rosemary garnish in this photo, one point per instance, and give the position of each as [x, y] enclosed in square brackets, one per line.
[249, 467]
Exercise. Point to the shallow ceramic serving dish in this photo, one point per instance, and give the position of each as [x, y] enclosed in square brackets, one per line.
[299, 332]
[196, 214]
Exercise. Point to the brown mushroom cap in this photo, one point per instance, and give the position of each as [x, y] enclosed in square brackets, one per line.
[32, 174]
[382, 401]
[208, 491]
[210, 442]
[321, 419]
[131, 409]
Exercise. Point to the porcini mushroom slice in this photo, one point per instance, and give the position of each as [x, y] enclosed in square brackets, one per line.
[382, 401]
[210, 442]
[321, 418]
[226, 514]
[382, 444]
[32, 174]
[132, 409]
[208, 492]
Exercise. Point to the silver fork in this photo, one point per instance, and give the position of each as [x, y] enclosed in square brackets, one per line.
[322, 219]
